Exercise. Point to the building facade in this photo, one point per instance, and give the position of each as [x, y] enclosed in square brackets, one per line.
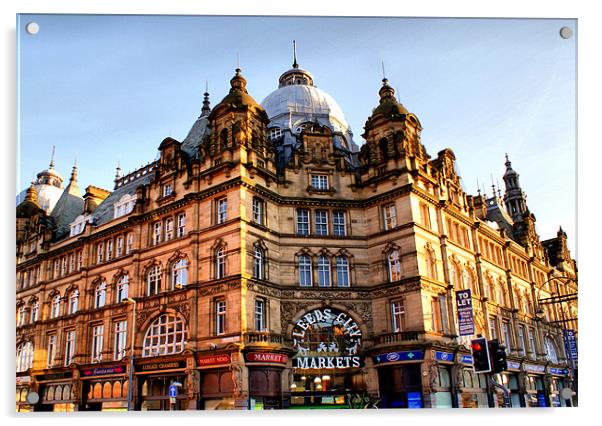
[266, 261]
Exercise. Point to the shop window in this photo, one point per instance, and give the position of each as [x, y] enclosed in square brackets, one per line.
[166, 335]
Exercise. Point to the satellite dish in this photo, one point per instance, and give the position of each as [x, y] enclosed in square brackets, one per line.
[32, 398]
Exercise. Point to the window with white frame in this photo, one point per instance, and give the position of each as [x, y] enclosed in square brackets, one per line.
[532, 348]
[551, 353]
[100, 248]
[24, 356]
[260, 315]
[521, 339]
[56, 269]
[80, 259]
[181, 230]
[21, 315]
[179, 274]
[305, 271]
[119, 246]
[321, 222]
[123, 287]
[220, 317]
[69, 347]
[166, 335]
[120, 343]
[153, 280]
[431, 263]
[397, 315]
[258, 211]
[167, 189]
[274, 133]
[77, 226]
[319, 182]
[258, 263]
[169, 229]
[100, 294]
[129, 243]
[71, 262]
[55, 307]
[394, 266]
[109, 250]
[222, 210]
[157, 229]
[50, 350]
[63, 266]
[73, 301]
[98, 332]
[342, 271]
[220, 263]
[506, 334]
[35, 311]
[493, 328]
[339, 227]
[302, 221]
[323, 271]
[124, 206]
[389, 217]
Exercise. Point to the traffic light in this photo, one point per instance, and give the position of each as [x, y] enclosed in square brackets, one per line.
[480, 355]
[498, 356]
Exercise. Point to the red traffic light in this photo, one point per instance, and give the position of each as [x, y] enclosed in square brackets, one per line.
[476, 346]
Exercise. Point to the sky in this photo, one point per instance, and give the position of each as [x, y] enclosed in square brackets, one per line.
[108, 89]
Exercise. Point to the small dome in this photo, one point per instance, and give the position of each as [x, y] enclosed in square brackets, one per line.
[388, 106]
[238, 95]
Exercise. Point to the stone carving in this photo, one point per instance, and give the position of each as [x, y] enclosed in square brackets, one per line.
[184, 310]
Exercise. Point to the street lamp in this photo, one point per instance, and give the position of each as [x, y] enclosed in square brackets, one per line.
[133, 339]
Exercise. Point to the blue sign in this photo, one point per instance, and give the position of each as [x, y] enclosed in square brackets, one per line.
[414, 400]
[570, 343]
[399, 356]
[444, 356]
[173, 391]
[541, 400]
[464, 308]
[559, 371]
[466, 359]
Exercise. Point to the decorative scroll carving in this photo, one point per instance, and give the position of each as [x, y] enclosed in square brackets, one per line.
[184, 310]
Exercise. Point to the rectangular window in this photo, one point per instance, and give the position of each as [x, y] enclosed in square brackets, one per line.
[339, 227]
[397, 316]
[506, 334]
[260, 315]
[129, 243]
[80, 260]
[220, 317]
[51, 350]
[72, 262]
[119, 247]
[120, 340]
[319, 182]
[167, 190]
[222, 210]
[69, 347]
[169, 231]
[444, 314]
[493, 328]
[258, 211]
[389, 217]
[156, 233]
[181, 225]
[64, 266]
[57, 268]
[425, 215]
[521, 340]
[342, 271]
[435, 315]
[99, 252]
[305, 272]
[533, 354]
[97, 341]
[302, 221]
[109, 250]
[321, 222]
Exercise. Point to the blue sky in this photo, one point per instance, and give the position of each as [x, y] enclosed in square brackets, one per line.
[110, 88]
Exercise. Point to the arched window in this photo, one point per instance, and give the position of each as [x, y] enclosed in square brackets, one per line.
[35, 310]
[55, 307]
[123, 287]
[153, 280]
[220, 263]
[323, 271]
[166, 335]
[500, 295]
[179, 273]
[551, 353]
[24, 356]
[100, 294]
[305, 272]
[73, 301]
[21, 315]
[470, 282]
[258, 263]
[342, 271]
[456, 275]
[431, 263]
[394, 265]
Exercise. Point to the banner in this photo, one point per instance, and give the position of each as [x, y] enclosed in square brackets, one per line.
[570, 343]
[464, 308]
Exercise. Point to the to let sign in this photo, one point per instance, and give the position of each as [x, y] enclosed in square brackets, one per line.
[571, 343]
[464, 308]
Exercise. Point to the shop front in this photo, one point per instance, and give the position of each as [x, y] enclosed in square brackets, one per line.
[558, 379]
[400, 379]
[328, 361]
[105, 388]
[510, 379]
[535, 393]
[473, 387]
[56, 392]
[23, 388]
[441, 380]
[154, 381]
[265, 379]
[215, 382]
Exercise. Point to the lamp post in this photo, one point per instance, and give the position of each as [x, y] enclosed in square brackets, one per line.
[133, 339]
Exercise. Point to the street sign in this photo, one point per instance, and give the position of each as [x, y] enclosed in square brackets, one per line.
[464, 309]
[173, 391]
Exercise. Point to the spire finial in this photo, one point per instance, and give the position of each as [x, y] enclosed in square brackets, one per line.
[238, 61]
[382, 63]
[52, 158]
[118, 171]
[295, 64]
[206, 107]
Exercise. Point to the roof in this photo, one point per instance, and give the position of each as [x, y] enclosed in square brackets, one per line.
[67, 208]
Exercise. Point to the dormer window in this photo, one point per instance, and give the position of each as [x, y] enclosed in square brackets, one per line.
[274, 133]
[124, 206]
[77, 226]
[319, 182]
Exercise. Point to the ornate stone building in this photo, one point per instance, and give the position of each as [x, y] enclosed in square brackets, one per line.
[267, 262]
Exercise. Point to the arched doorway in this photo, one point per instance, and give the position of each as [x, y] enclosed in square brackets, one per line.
[328, 361]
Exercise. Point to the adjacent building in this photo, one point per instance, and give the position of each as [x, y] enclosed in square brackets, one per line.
[265, 261]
